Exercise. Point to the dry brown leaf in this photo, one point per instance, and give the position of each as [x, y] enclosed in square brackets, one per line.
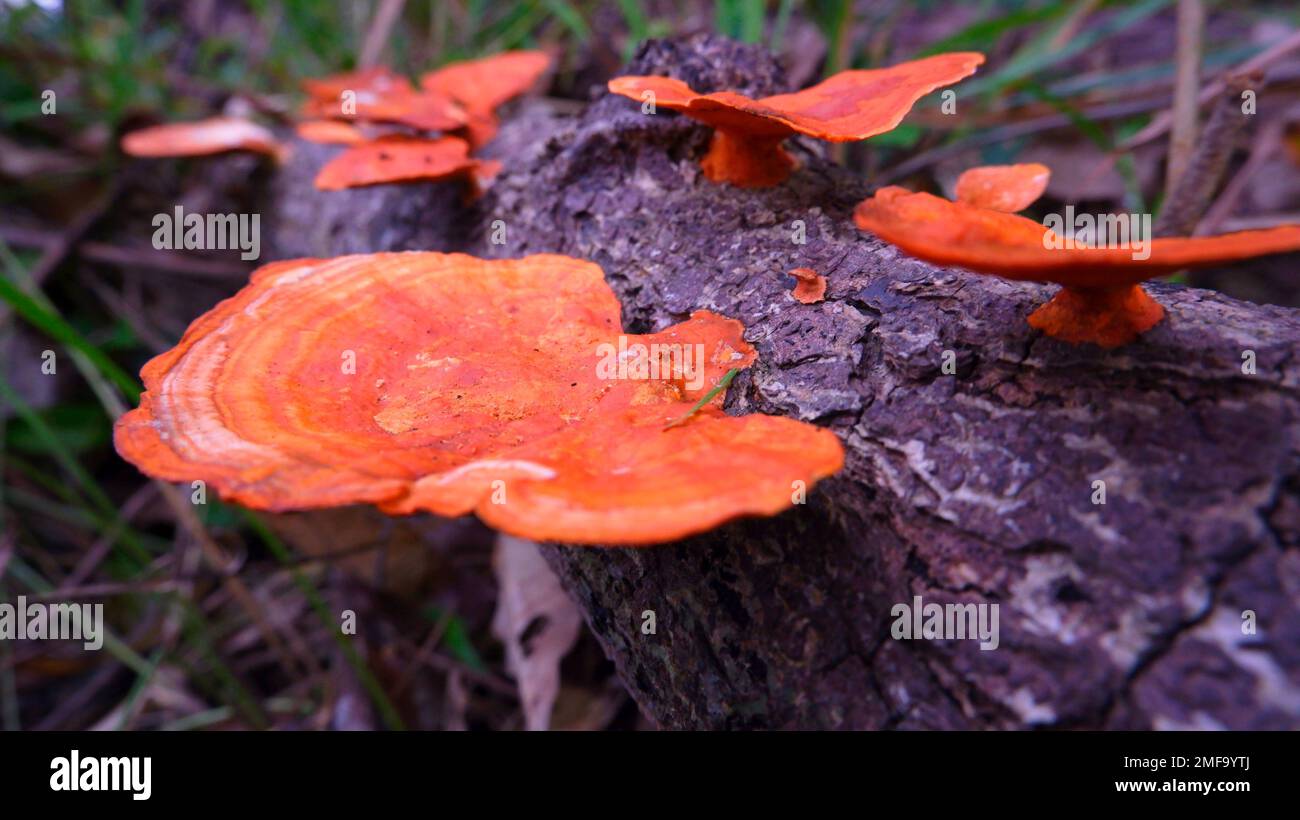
[536, 621]
[392, 554]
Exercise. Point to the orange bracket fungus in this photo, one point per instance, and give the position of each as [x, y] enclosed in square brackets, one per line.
[371, 83]
[380, 95]
[850, 106]
[399, 158]
[1007, 188]
[810, 286]
[330, 132]
[201, 138]
[450, 384]
[1100, 301]
[415, 109]
[481, 86]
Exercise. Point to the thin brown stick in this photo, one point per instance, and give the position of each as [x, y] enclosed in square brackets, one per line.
[1260, 62]
[1187, 77]
[430, 643]
[61, 244]
[7, 542]
[1006, 133]
[1261, 222]
[1266, 146]
[106, 590]
[124, 311]
[380, 27]
[1077, 17]
[1196, 187]
[147, 259]
[216, 558]
[83, 696]
[444, 663]
[100, 549]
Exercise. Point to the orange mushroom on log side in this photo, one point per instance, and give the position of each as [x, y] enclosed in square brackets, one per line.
[330, 132]
[371, 83]
[399, 158]
[380, 95]
[216, 135]
[1100, 300]
[847, 107]
[1008, 188]
[449, 384]
[481, 86]
[810, 286]
[422, 110]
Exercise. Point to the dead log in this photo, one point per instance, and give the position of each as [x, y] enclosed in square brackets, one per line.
[977, 486]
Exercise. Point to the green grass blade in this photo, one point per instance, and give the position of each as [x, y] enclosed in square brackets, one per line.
[53, 325]
[708, 397]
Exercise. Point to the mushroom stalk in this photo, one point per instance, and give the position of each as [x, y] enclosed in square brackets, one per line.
[747, 160]
[1105, 316]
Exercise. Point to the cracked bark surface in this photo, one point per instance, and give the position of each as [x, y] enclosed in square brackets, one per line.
[969, 488]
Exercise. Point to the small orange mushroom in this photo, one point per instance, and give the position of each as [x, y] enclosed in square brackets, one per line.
[416, 109]
[372, 83]
[330, 132]
[381, 95]
[810, 287]
[1100, 301]
[445, 383]
[481, 86]
[400, 158]
[201, 138]
[850, 106]
[1008, 188]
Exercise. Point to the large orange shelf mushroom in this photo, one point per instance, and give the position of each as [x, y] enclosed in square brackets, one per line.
[398, 158]
[847, 107]
[1100, 301]
[445, 383]
[216, 135]
[481, 86]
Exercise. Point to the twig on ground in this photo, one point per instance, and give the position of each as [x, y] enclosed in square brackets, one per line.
[422, 652]
[1195, 188]
[1013, 131]
[380, 27]
[1260, 62]
[1266, 145]
[120, 308]
[1182, 133]
[104, 544]
[144, 259]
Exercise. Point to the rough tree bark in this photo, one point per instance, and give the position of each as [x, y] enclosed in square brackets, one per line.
[976, 487]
